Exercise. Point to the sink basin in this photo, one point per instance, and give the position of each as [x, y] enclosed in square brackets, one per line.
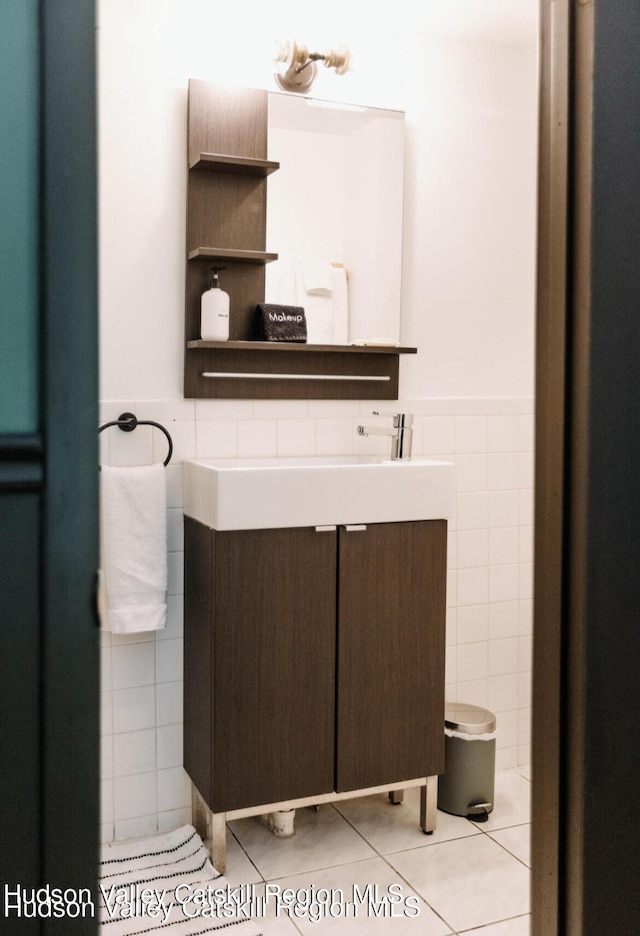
[265, 493]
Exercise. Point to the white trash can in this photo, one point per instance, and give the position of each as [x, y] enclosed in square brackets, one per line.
[467, 786]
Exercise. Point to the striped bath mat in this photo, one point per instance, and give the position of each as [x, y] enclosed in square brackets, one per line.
[166, 882]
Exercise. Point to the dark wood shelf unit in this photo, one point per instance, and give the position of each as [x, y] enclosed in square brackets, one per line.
[218, 162]
[269, 370]
[227, 206]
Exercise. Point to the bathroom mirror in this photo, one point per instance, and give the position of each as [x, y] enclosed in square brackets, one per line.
[337, 199]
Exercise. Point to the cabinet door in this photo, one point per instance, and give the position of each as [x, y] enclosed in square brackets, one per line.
[273, 665]
[391, 639]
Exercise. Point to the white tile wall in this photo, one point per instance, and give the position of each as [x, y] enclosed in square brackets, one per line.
[489, 582]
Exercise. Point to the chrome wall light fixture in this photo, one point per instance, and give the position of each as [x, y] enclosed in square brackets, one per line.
[298, 66]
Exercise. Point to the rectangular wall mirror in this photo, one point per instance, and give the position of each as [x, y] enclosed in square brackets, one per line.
[337, 199]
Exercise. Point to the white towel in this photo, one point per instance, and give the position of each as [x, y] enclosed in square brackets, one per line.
[340, 306]
[134, 548]
[317, 277]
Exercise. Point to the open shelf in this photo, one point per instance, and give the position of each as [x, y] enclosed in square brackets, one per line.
[239, 256]
[301, 346]
[238, 165]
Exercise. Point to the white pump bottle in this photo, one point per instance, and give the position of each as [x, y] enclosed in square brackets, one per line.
[214, 311]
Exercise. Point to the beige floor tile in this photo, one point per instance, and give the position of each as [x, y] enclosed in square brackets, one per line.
[468, 882]
[322, 839]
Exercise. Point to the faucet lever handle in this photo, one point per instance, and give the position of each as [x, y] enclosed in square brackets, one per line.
[400, 420]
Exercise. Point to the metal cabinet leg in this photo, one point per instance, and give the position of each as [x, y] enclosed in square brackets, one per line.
[428, 805]
[212, 829]
[396, 797]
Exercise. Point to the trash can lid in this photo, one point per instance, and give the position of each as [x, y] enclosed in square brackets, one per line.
[470, 719]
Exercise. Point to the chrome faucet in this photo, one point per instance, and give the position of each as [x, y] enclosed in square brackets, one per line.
[401, 433]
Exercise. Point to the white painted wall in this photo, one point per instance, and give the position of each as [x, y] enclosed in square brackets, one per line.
[469, 196]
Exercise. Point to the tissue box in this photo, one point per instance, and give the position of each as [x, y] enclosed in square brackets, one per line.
[282, 322]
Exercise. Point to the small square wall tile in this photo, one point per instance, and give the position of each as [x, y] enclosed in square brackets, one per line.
[470, 406]
[106, 801]
[471, 435]
[524, 726]
[130, 448]
[174, 485]
[169, 656]
[370, 444]
[472, 511]
[507, 725]
[506, 758]
[135, 796]
[223, 409]
[503, 656]
[471, 473]
[134, 709]
[169, 703]
[472, 548]
[333, 436]
[166, 411]
[472, 586]
[106, 713]
[472, 624]
[175, 530]
[174, 789]
[106, 757]
[526, 544]
[296, 437]
[504, 583]
[136, 828]
[258, 438]
[504, 545]
[452, 588]
[174, 819]
[526, 616]
[526, 580]
[526, 507]
[183, 439]
[503, 693]
[333, 409]
[474, 692]
[174, 629]
[504, 619]
[526, 433]
[110, 410]
[502, 471]
[438, 434]
[524, 690]
[451, 626]
[525, 654]
[133, 665]
[504, 509]
[472, 662]
[216, 438]
[175, 573]
[451, 666]
[503, 433]
[280, 409]
[525, 470]
[169, 745]
[106, 681]
[134, 752]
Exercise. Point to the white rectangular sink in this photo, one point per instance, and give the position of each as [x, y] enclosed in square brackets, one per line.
[266, 493]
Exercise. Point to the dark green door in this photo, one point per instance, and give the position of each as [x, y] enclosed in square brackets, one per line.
[48, 455]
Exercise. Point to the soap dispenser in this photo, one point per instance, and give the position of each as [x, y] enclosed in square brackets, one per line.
[214, 311]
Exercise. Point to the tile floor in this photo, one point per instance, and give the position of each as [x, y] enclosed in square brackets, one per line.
[465, 878]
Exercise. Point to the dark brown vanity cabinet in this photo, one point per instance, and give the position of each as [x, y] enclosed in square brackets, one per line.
[314, 659]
